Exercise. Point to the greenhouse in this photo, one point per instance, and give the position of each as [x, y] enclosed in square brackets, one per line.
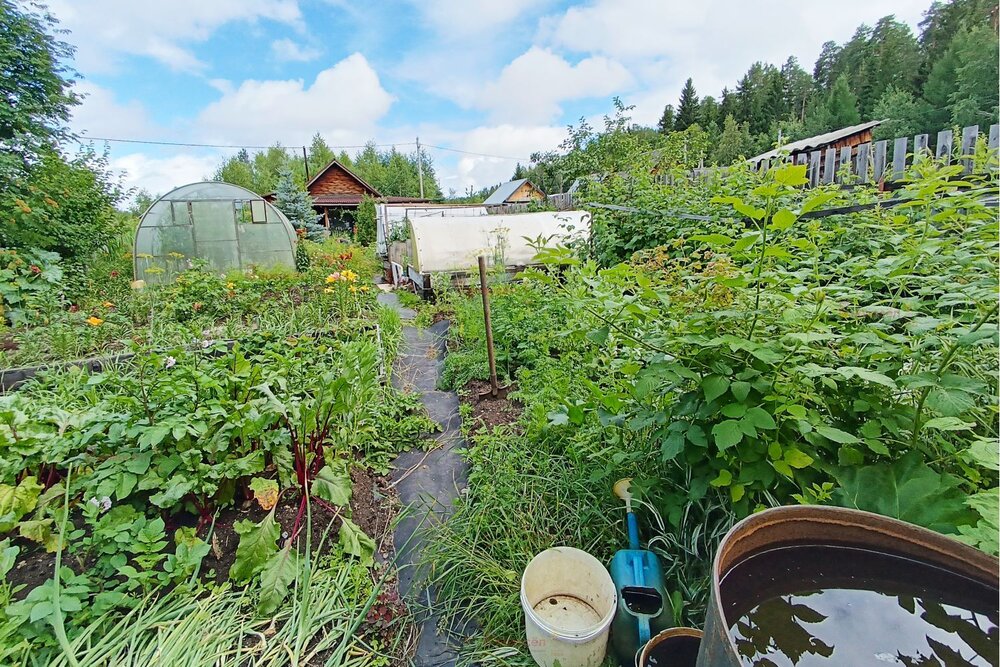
[227, 226]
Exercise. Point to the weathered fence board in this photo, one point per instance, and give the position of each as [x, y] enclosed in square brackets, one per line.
[899, 157]
[969, 136]
[943, 151]
[881, 147]
[862, 170]
[830, 166]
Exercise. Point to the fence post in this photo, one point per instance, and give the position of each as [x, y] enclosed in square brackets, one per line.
[863, 151]
[994, 144]
[943, 151]
[845, 160]
[880, 151]
[969, 136]
[830, 166]
[919, 147]
[814, 169]
[899, 158]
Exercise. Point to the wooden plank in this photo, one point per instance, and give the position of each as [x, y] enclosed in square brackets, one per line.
[845, 161]
[919, 146]
[801, 158]
[994, 145]
[864, 150]
[881, 149]
[830, 165]
[969, 136]
[814, 168]
[943, 149]
[899, 147]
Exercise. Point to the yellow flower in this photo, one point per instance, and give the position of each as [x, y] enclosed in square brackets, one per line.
[328, 290]
[230, 285]
[332, 278]
[349, 276]
[353, 289]
[108, 304]
[364, 288]
[94, 321]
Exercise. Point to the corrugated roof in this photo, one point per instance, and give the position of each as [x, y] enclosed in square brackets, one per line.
[817, 141]
[501, 194]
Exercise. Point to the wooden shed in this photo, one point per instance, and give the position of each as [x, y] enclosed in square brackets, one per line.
[520, 191]
[851, 137]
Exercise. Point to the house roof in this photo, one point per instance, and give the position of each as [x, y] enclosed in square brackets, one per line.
[501, 194]
[336, 163]
[817, 141]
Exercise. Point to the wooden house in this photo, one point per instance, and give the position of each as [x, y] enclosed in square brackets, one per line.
[520, 191]
[337, 191]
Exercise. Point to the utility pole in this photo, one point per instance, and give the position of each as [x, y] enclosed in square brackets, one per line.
[420, 168]
[305, 163]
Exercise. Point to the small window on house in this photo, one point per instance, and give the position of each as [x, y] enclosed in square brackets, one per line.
[258, 211]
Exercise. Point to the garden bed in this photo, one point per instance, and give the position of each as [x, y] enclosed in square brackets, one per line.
[197, 473]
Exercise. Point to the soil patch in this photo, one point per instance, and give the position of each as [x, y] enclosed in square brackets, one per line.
[374, 505]
[488, 413]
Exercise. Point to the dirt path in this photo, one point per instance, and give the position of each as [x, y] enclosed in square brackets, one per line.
[427, 481]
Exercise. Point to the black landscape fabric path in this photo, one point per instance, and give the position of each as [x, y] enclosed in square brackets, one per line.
[427, 480]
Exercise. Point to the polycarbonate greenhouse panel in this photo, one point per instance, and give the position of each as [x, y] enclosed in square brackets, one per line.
[225, 225]
[450, 244]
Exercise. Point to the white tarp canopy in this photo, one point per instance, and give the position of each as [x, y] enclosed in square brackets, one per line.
[388, 217]
[452, 244]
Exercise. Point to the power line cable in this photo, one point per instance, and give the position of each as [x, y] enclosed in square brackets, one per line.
[194, 145]
[499, 157]
[152, 142]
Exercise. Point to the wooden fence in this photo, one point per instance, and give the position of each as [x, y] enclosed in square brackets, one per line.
[871, 162]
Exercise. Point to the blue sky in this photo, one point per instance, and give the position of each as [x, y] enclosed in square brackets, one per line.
[500, 78]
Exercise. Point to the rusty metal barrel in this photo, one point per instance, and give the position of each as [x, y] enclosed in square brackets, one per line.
[797, 526]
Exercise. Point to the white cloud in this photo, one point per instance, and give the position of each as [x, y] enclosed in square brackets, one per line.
[531, 87]
[344, 103]
[509, 141]
[105, 31]
[102, 115]
[455, 19]
[288, 50]
[160, 175]
[712, 41]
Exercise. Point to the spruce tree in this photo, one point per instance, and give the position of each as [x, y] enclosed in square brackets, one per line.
[666, 124]
[842, 105]
[297, 205]
[687, 110]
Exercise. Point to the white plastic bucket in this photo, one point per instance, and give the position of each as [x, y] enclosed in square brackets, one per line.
[569, 602]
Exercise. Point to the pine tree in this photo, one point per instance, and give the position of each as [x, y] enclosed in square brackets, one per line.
[292, 200]
[666, 124]
[687, 109]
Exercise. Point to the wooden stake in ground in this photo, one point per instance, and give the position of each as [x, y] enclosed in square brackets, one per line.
[495, 391]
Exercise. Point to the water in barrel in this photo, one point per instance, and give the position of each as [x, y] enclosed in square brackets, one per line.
[835, 605]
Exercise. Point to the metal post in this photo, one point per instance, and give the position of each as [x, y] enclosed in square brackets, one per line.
[305, 162]
[420, 168]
